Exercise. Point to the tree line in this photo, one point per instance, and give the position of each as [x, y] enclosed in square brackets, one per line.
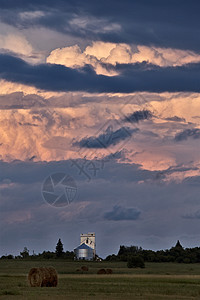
[58, 253]
[128, 254]
[175, 254]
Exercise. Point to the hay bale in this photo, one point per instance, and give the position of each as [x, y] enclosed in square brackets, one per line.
[109, 271]
[84, 268]
[53, 277]
[101, 271]
[35, 277]
[43, 277]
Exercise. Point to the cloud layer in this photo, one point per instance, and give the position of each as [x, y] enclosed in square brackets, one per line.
[133, 77]
[165, 24]
[76, 125]
[122, 204]
[99, 54]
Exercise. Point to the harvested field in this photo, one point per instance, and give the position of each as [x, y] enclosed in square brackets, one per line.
[182, 281]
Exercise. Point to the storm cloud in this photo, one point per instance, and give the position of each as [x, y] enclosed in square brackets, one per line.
[132, 77]
[188, 133]
[106, 139]
[175, 119]
[138, 116]
[140, 22]
[118, 193]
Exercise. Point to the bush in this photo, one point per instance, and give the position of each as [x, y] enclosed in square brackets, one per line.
[135, 262]
[9, 256]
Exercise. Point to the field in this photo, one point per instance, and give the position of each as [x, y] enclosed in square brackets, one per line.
[156, 281]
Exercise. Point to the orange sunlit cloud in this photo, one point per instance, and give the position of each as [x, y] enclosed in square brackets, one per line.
[110, 53]
[48, 134]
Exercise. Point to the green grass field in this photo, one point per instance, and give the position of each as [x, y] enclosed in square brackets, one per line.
[156, 281]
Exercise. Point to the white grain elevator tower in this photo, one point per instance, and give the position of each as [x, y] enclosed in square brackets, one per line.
[90, 240]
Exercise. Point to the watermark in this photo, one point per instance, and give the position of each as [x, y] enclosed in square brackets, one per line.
[88, 168]
[59, 189]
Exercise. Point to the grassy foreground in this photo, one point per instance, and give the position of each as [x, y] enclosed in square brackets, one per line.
[156, 281]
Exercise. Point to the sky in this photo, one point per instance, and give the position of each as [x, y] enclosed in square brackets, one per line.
[99, 124]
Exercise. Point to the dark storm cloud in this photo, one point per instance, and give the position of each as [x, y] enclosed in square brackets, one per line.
[188, 133]
[117, 155]
[175, 119]
[106, 139]
[176, 169]
[120, 213]
[161, 23]
[133, 77]
[138, 115]
[26, 220]
[32, 5]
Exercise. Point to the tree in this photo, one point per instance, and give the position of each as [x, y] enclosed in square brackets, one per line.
[25, 253]
[135, 262]
[122, 250]
[59, 249]
[178, 245]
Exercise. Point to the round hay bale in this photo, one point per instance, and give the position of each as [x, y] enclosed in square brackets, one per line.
[101, 271]
[43, 277]
[109, 271]
[35, 277]
[84, 268]
[52, 279]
